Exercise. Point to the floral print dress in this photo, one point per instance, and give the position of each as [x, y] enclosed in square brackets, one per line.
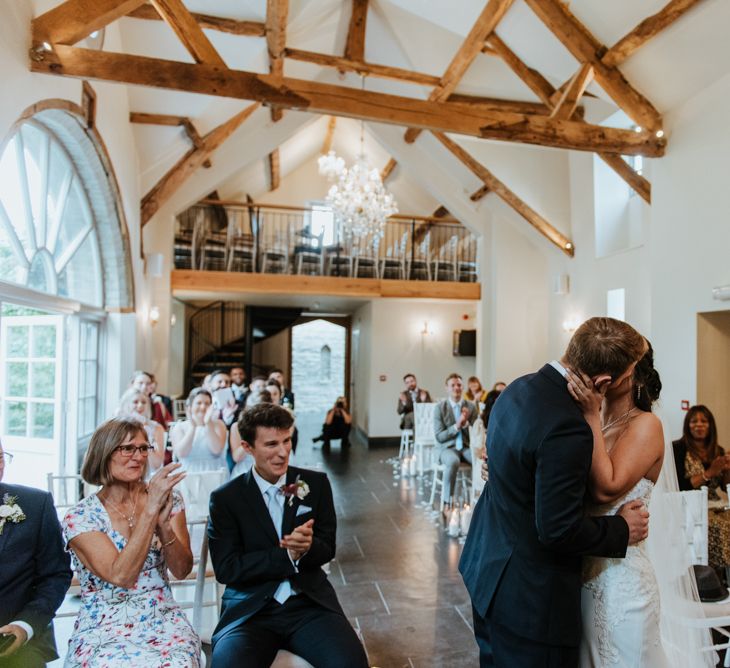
[141, 626]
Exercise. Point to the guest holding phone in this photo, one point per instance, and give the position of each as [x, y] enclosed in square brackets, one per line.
[337, 424]
[34, 577]
[199, 442]
[123, 540]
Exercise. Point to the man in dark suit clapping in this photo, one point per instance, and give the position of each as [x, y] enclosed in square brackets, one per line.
[270, 532]
[35, 573]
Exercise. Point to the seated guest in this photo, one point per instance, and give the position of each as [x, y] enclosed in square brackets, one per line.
[142, 381]
[336, 425]
[699, 460]
[498, 386]
[451, 421]
[123, 540]
[136, 404]
[258, 384]
[491, 397]
[411, 395]
[474, 391]
[226, 406]
[167, 401]
[238, 383]
[274, 389]
[199, 442]
[35, 574]
[287, 396]
[270, 532]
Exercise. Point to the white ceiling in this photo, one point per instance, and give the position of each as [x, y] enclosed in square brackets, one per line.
[421, 36]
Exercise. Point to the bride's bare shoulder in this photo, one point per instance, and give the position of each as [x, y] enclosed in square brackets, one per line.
[648, 428]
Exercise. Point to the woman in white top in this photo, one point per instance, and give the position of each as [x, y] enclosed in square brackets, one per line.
[136, 404]
[199, 442]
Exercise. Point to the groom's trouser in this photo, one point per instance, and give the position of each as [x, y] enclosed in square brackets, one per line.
[500, 648]
[300, 626]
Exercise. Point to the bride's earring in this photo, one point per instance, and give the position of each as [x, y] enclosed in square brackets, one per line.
[638, 392]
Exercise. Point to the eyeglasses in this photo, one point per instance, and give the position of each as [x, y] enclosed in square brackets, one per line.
[128, 450]
[6, 458]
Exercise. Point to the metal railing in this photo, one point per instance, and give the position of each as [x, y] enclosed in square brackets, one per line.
[261, 238]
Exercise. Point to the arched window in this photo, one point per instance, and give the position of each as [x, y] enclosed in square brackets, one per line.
[48, 238]
[325, 363]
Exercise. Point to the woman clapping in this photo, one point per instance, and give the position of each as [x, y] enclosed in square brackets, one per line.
[123, 539]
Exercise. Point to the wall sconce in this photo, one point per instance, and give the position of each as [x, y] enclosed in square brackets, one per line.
[571, 324]
[426, 329]
[154, 315]
[173, 320]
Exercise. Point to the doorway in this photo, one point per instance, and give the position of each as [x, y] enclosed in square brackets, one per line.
[713, 367]
[320, 364]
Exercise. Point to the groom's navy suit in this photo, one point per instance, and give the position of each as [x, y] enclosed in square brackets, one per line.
[35, 574]
[522, 558]
[244, 549]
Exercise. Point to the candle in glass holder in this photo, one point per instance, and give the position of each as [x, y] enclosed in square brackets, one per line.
[454, 523]
[412, 466]
[465, 519]
[405, 467]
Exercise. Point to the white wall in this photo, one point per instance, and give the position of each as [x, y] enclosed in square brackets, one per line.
[690, 239]
[393, 327]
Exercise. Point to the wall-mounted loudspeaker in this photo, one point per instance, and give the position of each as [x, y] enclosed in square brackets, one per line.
[561, 284]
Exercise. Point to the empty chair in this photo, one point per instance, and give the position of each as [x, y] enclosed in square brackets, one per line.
[275, 257]
[308, 256]
[444, 266]
[338, 260]
[423, 437]
[466, 260]
[419, 266]
[394, 261]
[365, 259]
[241, 253]
[213, 252]
[183, 250]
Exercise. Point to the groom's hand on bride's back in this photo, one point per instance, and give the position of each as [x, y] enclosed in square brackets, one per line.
[637, 517]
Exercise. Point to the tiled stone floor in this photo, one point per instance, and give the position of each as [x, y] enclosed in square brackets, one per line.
[396, 569]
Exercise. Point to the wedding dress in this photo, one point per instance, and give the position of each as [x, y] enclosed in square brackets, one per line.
[620, 602]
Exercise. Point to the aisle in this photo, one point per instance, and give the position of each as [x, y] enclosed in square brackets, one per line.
[396, 571]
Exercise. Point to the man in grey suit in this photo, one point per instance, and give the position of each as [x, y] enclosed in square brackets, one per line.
[451, 422]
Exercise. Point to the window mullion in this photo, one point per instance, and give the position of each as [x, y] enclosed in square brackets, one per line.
[13, 237]
[43, 204]
[71, 249]
[25, 194]
[60, 209]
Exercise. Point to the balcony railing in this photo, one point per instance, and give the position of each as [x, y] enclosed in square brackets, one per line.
[287, 240]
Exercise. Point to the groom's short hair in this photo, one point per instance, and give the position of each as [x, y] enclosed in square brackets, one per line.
[263, 415]
[605, 346]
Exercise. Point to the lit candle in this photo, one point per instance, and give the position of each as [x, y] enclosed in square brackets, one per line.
[465, 519]
[412, 466]
[454, 523]
[404, 467]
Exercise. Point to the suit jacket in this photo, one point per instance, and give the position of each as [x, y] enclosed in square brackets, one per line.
[522, 558]
[444, 424]
[36, 572]
[406, 409]
[245, 552]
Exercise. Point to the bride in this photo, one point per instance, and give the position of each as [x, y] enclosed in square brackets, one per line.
[620, 598]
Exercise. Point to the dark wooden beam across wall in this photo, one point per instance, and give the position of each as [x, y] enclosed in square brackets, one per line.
[388, 170]
[323, 98]
[355, 47]
[277, 13]
[230, 26]
[274, 174]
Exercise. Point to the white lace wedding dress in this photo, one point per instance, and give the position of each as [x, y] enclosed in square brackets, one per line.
[620, 603]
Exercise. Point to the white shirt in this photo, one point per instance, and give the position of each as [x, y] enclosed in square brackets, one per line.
[559, 368]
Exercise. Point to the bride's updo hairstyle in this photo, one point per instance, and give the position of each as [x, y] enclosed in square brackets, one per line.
[604, 346]
[647, 384]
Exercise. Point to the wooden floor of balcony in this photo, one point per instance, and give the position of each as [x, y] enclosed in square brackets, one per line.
[197, 284]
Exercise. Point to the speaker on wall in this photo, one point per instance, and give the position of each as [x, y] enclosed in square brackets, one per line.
[465, 342]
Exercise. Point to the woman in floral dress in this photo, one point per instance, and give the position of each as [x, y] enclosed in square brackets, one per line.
[123, 539]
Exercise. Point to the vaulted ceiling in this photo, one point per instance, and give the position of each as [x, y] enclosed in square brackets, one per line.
[536, 72]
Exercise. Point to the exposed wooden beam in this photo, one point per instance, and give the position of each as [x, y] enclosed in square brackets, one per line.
[500, 189]
[488, 104]
[366, 69]
[316, 97]
[537, 83]
[635, 180]
[176, 15]
[441, 212]
[230, 26]
[470, 48]
[479, 194]
[327, 144]
[388, 169]
[355, 47]
[587, 49]
[648, 28]
[73, 20]
[568, 102]
[274, 174]
[168, 120]
[277, 13]
[170, 182]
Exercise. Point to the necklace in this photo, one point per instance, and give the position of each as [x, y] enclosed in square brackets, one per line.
[130, 520]
[624, 418]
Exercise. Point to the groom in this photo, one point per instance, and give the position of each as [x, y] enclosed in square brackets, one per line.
[522, 558]
[270, 532]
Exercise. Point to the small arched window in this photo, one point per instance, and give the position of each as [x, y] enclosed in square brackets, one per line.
[325, 363]
[48, 239]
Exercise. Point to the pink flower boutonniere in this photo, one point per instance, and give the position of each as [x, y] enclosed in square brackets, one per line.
[10, 511]
[298, 488]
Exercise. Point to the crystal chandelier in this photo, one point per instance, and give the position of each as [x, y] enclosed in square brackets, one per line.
[359, 200]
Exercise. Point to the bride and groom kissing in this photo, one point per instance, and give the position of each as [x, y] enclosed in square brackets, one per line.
[553, 583]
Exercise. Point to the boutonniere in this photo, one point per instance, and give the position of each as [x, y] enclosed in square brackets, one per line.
[298, 488]
[10, 511]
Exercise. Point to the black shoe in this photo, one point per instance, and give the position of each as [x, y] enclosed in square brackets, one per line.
[317, 439]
